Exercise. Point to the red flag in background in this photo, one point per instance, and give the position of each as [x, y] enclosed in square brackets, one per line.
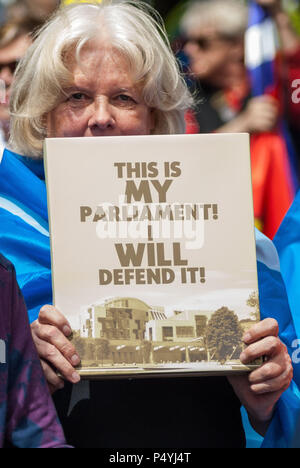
[274, 160]
[272, 186]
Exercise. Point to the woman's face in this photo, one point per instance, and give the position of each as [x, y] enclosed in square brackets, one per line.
[215, 60]
[9, 58]
[102, 100]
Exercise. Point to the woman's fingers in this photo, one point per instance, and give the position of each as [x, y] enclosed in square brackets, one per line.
[50, 333]
[49, 315]
[267, 327]
[53, 380]
[53, 356]
[53, 336]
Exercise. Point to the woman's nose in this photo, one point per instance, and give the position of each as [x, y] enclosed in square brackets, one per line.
[190, 48]
[102, 117]
[6, 75]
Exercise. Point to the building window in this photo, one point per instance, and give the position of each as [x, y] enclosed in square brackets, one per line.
[138, 324]
[167, 333]
[185, 332]
[129, 312]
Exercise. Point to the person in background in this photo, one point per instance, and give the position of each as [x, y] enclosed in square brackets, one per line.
[22, 18]
[288, 67]
[214, 33]
[27, 415]
[14, 41]
[40, 10]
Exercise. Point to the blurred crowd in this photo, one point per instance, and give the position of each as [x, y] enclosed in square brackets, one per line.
[210, 44]
[220, 47]
[18, 21]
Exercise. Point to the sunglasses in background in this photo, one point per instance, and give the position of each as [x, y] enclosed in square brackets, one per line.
[205, 43]
[11, 66]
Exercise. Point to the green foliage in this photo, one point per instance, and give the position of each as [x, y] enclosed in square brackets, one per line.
[295, 17]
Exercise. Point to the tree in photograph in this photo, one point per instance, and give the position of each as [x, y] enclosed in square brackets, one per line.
[253, 301]
[80, 345]
[102, 349]
[147, 350]
[223, 335]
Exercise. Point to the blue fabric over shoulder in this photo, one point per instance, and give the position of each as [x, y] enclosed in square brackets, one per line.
[282, 432]
[24, 240]
[24, 231]
[287, 242]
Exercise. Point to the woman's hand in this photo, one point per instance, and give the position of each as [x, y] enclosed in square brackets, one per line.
[50, 332]
[260, 390]
[261, 114]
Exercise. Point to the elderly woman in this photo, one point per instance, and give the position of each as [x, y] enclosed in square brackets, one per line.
[107, 70]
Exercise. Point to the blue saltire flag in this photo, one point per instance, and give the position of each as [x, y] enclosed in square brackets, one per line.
[24, 231]
[287, 242]
[282, 432]
[260, 49]
[24, 239]
[261, 46]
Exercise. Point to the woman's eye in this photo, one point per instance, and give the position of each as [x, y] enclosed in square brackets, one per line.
[77, 97]
[125, 100]
[124, 97]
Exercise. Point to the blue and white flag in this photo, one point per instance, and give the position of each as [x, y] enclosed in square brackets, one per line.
[282, 432]
[24, 232]
[261, 47]
[287, 242]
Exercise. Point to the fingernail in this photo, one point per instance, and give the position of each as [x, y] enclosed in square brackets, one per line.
[67, 330]
[75, 359]
[247, 337]
[75, 377]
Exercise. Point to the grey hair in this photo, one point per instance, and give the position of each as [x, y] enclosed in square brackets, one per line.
[134, 29]
[227, 17]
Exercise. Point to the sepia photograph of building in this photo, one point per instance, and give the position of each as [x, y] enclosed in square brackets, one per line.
[125, 331]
